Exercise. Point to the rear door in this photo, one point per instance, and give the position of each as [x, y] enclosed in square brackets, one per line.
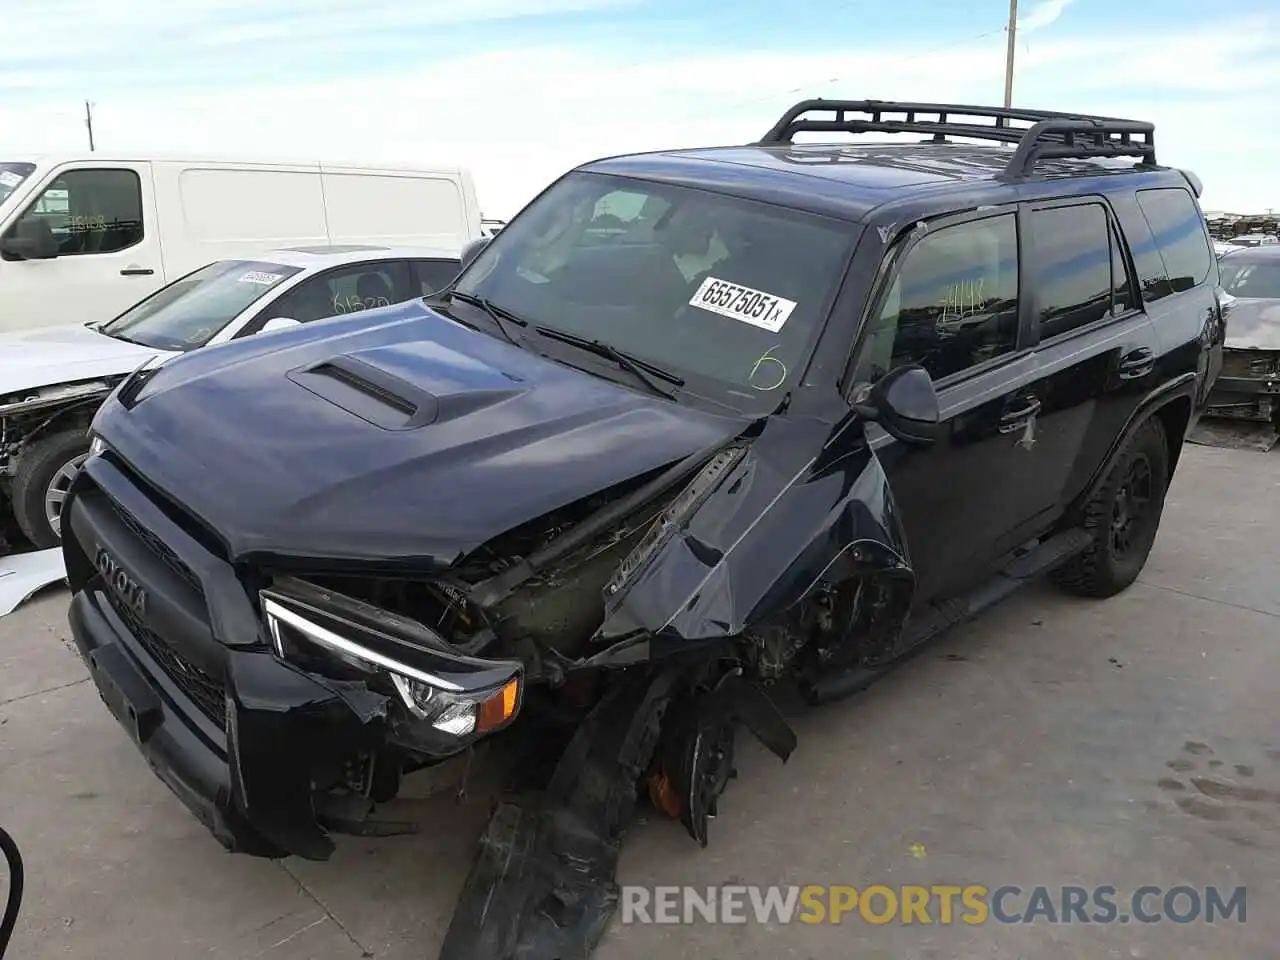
[103, 221]
[1095, 351]
[953, 305]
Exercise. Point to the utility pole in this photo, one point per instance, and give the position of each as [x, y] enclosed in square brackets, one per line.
[1008, 57]
[88, 122]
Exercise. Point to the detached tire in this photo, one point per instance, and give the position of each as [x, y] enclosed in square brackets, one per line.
[41, 478]
[1123, 516]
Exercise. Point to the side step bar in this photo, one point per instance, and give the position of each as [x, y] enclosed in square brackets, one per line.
[1035, 562]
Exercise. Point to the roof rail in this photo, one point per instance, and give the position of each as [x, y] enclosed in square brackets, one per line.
[1051, 135]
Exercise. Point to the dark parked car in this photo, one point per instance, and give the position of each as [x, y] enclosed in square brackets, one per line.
[694, 425]
[1249, 388]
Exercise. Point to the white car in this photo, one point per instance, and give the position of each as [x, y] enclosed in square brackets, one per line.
[53, 379]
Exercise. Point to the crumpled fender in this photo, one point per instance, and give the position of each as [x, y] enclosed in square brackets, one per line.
[766, 536]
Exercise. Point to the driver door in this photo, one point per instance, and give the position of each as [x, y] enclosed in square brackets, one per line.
[103, 222]
[951, 304]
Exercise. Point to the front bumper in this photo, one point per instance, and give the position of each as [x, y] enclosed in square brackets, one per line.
[179, 656]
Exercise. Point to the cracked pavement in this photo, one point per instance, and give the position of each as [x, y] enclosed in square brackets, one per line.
[1054, 741]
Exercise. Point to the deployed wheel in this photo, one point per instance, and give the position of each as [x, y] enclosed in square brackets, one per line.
[41, 479]
[1123, 517]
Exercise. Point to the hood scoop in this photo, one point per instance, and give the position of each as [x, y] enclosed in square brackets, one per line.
[375, 385]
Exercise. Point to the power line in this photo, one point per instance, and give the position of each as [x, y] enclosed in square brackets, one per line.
[88, 122]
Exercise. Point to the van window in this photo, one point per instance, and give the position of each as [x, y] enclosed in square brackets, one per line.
[1180, 237]
[88, 212]
[953, 304]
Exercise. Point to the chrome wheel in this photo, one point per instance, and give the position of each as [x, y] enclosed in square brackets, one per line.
[56, 493]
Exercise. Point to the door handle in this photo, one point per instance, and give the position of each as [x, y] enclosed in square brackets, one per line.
[136, 272]
[1137, 363]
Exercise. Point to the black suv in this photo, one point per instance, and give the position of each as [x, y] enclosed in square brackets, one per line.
[696, 424]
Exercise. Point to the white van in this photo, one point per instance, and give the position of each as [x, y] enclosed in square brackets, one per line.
[84, 237]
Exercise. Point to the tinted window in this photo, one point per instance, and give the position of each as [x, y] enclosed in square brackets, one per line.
[89, 211]
[1252, 278]
[360, 286]
[190, 311]
[433, 275]
[709, 286]
[1181, 238]
[953, 304]
[1073, 252]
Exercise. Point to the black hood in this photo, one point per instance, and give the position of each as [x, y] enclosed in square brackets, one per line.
[397, 434]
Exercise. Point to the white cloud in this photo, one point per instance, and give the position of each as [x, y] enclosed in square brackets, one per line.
[1042, 15]
[520, 117]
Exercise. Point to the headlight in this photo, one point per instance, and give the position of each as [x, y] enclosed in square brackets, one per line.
[456, 695]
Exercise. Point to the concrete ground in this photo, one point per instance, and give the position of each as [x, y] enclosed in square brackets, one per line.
[1054, 742]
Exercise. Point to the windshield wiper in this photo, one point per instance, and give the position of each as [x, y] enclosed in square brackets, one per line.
[642, 370]
[498, 315]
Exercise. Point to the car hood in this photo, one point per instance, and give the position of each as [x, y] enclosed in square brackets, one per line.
[1253, 324]
[276, 457]
[62, 354]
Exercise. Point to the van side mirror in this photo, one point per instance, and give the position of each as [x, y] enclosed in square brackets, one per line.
[30, 239]
[472, 250]
[905, 404]
[279, 323]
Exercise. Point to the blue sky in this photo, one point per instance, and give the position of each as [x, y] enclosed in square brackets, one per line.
[521, 89]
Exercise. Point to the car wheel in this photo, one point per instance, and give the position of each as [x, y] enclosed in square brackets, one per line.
[41, 479]
[1123, 516]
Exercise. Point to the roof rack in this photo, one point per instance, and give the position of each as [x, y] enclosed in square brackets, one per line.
[1051, 135]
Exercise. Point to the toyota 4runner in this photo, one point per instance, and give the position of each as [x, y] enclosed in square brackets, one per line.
[696, 424]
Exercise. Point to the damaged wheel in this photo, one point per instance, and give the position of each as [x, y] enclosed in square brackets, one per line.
[41, 480]
[1123, 516]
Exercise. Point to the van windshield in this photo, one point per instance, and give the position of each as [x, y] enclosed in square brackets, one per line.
[712, 288]
[189, 312]
[12, 174]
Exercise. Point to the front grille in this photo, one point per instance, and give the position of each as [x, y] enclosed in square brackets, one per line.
[157, 546]
[1249, 364]
[207, 692]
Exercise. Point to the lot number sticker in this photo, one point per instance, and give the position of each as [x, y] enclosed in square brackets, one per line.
[732, 300]
[255, 276]
[8, 179]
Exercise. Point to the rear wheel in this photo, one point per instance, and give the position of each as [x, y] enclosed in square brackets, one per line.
[1123, 516]
[41, 480]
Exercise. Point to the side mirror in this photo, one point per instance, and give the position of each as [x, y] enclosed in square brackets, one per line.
[31, 239]
[279, 323]
[905, 404]
[472, 250]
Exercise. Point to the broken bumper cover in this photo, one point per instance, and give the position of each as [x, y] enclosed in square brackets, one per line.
[252, 739]
[250, 784]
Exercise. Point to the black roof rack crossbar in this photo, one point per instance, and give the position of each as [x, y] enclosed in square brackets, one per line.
[1052, 135]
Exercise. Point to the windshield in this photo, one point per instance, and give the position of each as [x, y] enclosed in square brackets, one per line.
[189, 312]
[11, 176]
[1251, 278]
[694, 282]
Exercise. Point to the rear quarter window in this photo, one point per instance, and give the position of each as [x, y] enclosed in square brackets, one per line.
[1185, 258]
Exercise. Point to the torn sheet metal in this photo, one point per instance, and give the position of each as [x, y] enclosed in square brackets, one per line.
[22, 575]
